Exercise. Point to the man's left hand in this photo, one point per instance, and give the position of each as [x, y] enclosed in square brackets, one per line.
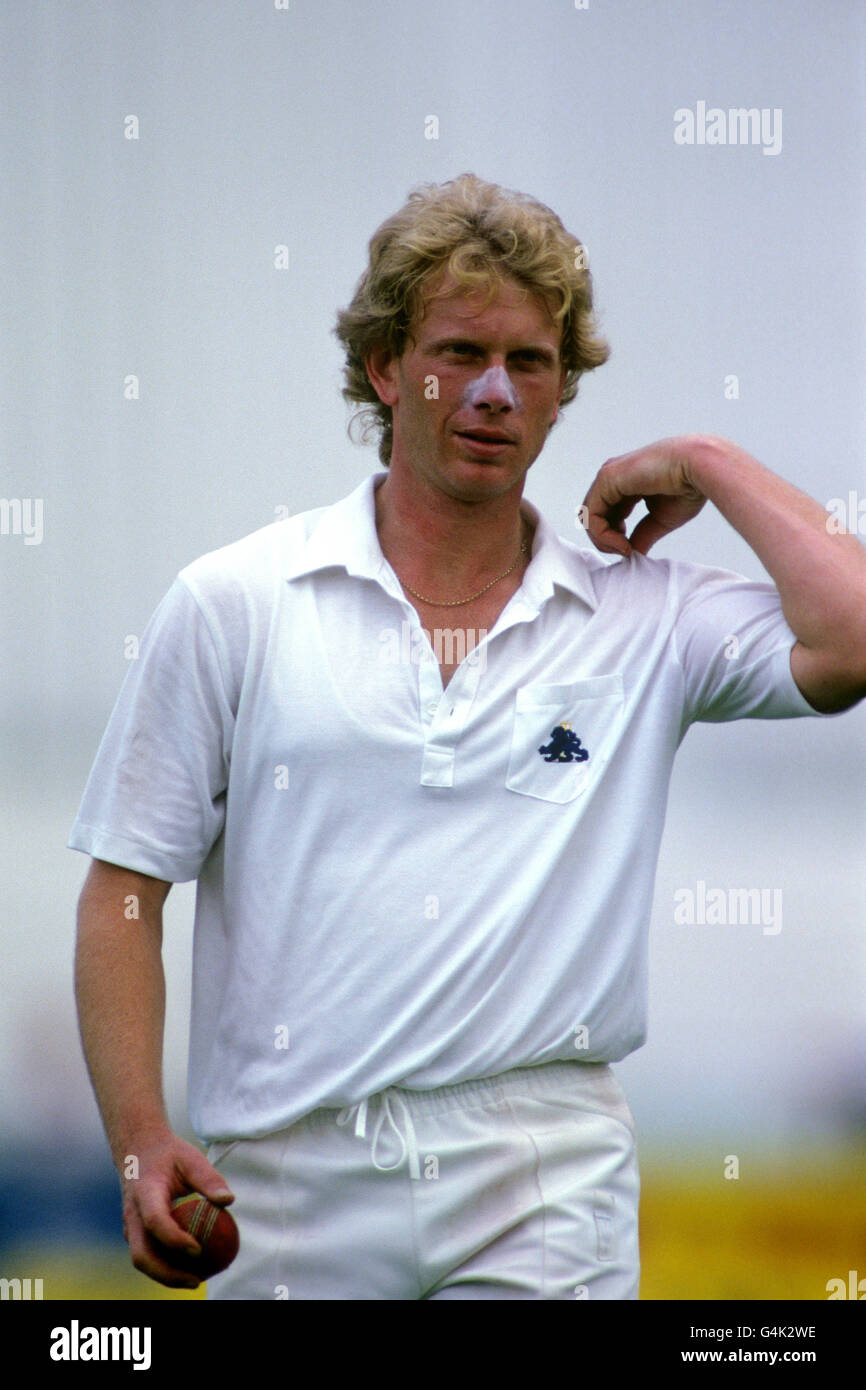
[658, 475]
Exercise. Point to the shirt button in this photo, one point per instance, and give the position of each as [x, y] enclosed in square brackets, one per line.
[431, 710]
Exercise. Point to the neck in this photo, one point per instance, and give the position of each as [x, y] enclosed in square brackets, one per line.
[440, 543]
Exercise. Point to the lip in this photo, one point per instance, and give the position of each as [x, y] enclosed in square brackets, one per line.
[485, 443]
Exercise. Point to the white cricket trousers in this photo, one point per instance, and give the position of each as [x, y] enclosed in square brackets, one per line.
[523, 1185]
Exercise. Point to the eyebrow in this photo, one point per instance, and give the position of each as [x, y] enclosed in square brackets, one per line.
[540, 349]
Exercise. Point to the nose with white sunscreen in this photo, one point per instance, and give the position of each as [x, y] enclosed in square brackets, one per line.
[493, 388]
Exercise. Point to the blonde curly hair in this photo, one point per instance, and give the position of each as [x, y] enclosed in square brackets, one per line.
[480, 233]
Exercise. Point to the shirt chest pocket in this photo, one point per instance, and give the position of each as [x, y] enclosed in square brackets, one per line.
[563, 736]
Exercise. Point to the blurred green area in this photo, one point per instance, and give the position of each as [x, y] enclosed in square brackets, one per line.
[776, 1231]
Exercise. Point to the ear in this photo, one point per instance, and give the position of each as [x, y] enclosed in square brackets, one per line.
[381, 369]
[558, 399]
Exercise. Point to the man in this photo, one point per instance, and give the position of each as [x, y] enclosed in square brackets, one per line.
[425, 866]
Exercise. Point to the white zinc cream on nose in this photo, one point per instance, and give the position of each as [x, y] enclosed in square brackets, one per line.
[494, 381]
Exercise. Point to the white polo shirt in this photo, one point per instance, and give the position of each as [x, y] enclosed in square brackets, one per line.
[396, 885]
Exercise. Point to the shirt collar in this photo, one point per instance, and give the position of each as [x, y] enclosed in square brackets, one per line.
[344, 536]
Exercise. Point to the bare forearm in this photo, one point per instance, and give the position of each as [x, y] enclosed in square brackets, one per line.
[120, 991]
[821, 576]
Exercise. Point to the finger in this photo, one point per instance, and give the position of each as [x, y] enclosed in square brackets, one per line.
[202, 1177]
[150, 1261]
[646, 533]
[158, 1269]
[152, 1212]
[606, 508]
[605, 525]
[609, 541]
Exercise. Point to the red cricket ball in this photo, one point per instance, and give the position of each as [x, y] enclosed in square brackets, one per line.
[215, 1230]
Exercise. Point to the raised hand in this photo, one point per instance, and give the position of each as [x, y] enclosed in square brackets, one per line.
[660, 476]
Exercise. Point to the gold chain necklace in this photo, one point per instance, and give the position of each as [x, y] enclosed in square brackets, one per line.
[458, 602]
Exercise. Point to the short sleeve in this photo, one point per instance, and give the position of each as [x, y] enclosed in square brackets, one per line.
[734, 646]
[155, 798]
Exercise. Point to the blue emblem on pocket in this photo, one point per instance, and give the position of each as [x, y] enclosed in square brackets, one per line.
[564, 747]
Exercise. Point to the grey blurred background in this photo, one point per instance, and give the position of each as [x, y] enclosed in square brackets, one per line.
[304, 125]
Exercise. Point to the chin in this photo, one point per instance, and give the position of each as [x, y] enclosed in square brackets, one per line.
[479, 481]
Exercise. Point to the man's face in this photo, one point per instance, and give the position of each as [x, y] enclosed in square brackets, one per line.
[476, 390]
